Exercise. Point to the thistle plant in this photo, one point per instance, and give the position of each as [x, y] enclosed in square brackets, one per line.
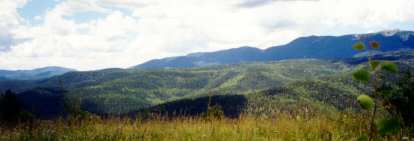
[371, 102]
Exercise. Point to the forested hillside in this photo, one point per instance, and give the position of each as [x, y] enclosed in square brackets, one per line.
[120, 91]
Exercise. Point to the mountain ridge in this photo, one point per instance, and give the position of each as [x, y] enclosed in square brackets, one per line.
[317, 47]
[33, 74]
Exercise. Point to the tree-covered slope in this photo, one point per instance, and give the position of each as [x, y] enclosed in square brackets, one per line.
[119, 91]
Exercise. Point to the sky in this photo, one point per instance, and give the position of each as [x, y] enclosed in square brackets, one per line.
[97, 34]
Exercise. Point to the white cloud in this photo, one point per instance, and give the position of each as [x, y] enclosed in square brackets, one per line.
[10, 19]
[131, 32]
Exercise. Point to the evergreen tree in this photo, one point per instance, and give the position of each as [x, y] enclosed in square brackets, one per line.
[10, 107]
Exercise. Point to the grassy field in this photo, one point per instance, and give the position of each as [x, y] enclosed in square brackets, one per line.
[246, 128]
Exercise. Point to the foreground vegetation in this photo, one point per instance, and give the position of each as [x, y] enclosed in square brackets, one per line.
[246, 128]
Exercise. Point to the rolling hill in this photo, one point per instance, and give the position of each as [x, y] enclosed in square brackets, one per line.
[119, 91]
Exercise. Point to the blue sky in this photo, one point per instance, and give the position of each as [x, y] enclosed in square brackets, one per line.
[36, 8]
[96, 34]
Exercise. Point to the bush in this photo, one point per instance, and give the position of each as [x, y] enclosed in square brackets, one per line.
[402, 98]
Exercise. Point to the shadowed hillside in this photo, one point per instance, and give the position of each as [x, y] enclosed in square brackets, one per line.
[231, 106]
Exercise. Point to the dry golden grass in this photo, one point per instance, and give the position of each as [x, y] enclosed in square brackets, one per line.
[246, 128]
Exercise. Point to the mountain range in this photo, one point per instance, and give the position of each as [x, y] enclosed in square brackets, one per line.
[317, 47]
[34, 74]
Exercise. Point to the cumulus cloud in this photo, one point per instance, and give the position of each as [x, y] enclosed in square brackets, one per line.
[10, 20]
[129, 32]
